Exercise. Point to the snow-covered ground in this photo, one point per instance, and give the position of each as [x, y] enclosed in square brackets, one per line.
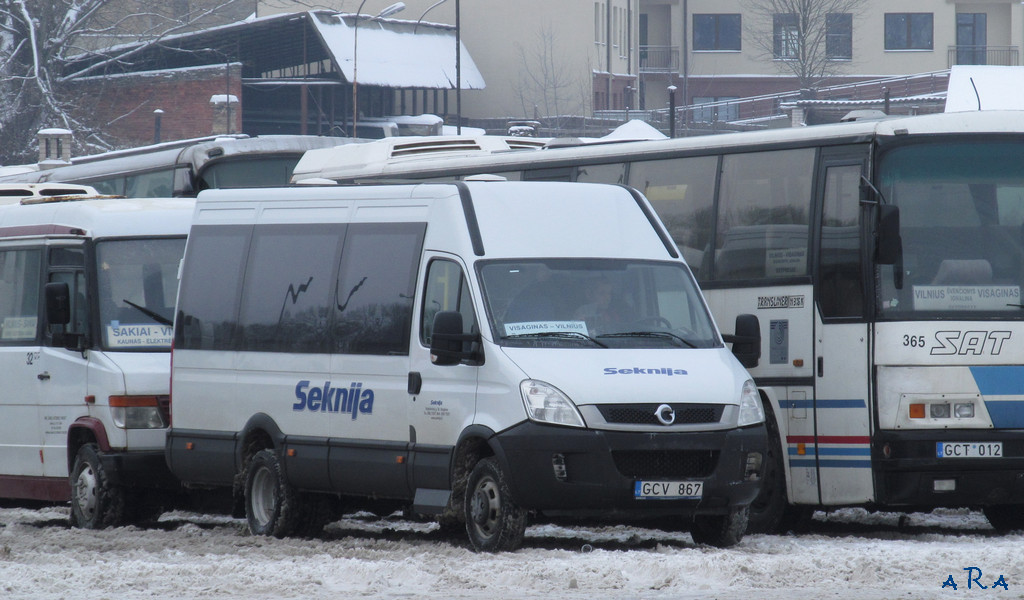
[848, 554]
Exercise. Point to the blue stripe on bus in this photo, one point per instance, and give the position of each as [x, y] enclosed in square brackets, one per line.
[822, 403]
[999, 381]
[841, 464]
[1006, 414]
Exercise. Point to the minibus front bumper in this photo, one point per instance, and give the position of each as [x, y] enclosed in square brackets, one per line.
[584, 472]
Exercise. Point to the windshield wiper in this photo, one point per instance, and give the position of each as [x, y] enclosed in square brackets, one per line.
[657, 334]
[557, 334]
[152, 315]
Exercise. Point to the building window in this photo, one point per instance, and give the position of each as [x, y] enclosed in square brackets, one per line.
[786, 36]
[716, 32]
[908, 31]
[839, 36]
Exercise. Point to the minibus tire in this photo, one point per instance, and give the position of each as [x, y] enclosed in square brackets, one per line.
[770, 511]
[271, 504]
[494, 522]
[720, 531]
[96, 502]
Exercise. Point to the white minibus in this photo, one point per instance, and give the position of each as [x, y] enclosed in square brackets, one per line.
[483, 352]
[87, 289]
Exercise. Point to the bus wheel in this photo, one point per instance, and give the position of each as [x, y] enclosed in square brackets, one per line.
[1005, 517]
[95, 501]
[770, 511]
[493, 521]
[271, 505]
[721, 531]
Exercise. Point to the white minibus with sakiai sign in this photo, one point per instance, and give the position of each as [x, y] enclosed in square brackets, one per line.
[479, 351]
[87, 289]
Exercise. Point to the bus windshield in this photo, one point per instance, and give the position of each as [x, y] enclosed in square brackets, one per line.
[961, 215]
[598, 303]
[138, 282]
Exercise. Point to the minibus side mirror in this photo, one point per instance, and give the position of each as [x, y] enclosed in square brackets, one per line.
[58, 303]
[746, 342]
[448, 342]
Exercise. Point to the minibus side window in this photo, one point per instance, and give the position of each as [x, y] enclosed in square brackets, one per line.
[67, 265]
[446, 289]
[211, 287]
[376, 283]
[19, 295]
[288, 284]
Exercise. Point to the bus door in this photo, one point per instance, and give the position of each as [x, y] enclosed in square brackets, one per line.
[842, 419]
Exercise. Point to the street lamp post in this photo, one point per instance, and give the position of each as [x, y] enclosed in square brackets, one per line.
[672, 111]
[458, 60]
[387, 12]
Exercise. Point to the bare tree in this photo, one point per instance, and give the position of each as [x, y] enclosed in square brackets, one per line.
[38, 37]
[547, 85]
[809, 39]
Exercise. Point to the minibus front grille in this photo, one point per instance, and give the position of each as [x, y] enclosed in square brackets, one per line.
[647, 414]
[665, 464]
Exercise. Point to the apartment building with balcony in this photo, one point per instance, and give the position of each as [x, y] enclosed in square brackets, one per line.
[717, 50]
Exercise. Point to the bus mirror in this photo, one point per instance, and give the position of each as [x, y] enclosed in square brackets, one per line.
[447, 341]
[746, 342]
[58, 303]
[888, 245]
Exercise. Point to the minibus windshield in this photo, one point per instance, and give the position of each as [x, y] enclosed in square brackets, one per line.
[961, 215]
[598, 303]
[137, 280]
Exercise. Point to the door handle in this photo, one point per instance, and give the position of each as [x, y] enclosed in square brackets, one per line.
[45, 375]
[415, 383]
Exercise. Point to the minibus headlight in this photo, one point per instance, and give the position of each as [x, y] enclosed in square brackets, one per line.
[136, 412]
[546, 404]
[751, 411]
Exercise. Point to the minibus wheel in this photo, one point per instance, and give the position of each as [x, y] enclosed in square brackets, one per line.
[95, 501]
[271, 504]
[493, 520]
[721, 531]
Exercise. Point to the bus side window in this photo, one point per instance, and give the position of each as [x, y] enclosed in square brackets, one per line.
[763, 215]
[682, 192]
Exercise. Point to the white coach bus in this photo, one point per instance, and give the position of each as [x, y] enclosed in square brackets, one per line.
[87, 290]
[481, 352]
[884, 261]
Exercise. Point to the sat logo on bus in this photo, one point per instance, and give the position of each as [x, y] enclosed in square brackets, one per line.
[969, 342]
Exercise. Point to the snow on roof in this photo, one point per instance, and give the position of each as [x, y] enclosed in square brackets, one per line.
[396, 53]
[635, 129]
[985, 87]
[223, 98]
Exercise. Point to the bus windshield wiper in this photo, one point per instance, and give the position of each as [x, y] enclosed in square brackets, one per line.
[557, 334]
[657, 334]
[149, 313]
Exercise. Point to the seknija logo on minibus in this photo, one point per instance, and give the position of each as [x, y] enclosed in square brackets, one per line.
[351, 400]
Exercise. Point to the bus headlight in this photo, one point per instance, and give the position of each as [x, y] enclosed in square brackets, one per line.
[963, 410]
[751, 411]
[547, 404]
[136, 412]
